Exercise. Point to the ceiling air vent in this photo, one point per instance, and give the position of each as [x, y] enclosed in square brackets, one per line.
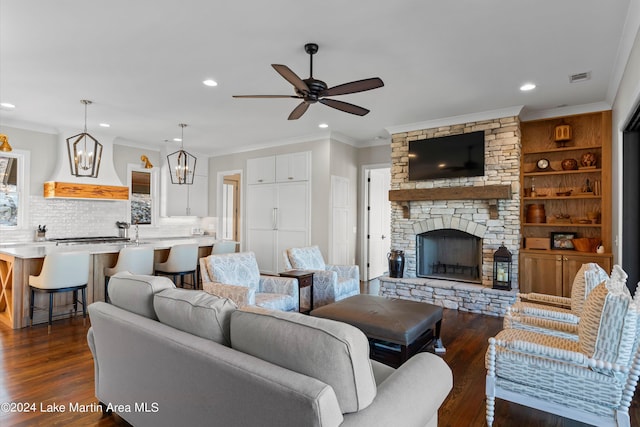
[579, 77]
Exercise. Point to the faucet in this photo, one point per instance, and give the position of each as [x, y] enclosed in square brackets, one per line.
[137, 240]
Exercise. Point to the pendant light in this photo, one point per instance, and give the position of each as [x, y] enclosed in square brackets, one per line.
[182, 165]
[85, 151]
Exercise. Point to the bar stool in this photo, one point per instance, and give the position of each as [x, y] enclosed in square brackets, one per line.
[61, 272]
[223, 247]
[182, 260]
[134, 259]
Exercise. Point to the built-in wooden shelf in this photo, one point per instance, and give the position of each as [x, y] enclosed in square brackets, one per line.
[486, 192]
[68, 190]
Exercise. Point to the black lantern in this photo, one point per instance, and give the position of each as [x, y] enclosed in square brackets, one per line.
[502, 268]
[85, 151]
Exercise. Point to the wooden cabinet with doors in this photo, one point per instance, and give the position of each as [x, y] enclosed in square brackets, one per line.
[552, 272]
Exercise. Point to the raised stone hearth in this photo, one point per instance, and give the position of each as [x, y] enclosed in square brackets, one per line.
[495, 220]
[449, 294]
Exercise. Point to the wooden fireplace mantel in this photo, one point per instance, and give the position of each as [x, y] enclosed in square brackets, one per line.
[487, 192]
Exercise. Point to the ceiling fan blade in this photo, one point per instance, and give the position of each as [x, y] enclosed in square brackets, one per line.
[353, 87]
[265, 96]
[291, 77]
[344, 106]
[299, 111]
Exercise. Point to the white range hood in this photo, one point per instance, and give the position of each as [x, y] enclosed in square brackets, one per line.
[106, 185]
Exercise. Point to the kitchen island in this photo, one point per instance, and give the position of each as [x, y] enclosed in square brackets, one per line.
[18, 261]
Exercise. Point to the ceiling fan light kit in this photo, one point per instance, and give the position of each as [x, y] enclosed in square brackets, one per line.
[312, 90]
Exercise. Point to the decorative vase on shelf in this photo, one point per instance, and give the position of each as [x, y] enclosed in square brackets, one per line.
[588, 160]
[569, 164]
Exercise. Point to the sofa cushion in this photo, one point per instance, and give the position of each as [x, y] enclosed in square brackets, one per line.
[332, 352]
[135, 293]
[195, 312]
[309, 258]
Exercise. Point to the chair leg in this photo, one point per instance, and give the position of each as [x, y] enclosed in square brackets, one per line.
[75, 302]
[195, 280]
[106, 288]
[31, 303]
[84, 307]
[50, 312]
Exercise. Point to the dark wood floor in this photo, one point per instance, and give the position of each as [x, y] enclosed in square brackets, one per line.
[40, 370]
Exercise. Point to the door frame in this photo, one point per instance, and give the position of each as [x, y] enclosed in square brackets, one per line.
[364, 218]
[219, 193]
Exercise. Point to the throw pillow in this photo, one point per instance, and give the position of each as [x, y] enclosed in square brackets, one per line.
[195, 312]
[608, 324]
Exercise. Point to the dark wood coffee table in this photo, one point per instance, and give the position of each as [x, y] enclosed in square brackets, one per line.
[396, 328]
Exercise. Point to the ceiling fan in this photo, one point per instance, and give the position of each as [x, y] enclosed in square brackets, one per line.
[312, 90]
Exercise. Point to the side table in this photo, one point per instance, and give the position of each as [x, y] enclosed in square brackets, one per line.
[305, 279]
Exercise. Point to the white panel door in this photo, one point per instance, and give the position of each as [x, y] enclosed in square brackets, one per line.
[379, 221]
[340, 236]
[261, 225]
[293, 218]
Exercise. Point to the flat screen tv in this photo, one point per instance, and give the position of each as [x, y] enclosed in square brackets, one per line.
[451, 156]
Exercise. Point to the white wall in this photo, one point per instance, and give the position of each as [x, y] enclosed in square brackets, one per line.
[626, 101]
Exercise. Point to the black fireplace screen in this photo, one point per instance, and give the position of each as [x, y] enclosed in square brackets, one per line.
[449, 254]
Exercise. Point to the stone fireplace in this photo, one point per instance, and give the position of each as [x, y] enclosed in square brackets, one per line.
[449, 254]
[448, 210]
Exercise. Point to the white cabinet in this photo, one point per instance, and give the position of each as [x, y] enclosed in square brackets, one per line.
[281, 168]
[278, 207]
[185, 200]
[293, 167]
[277, 219]
[261, 170]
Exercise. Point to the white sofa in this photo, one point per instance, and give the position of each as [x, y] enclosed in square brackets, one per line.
[165, 357]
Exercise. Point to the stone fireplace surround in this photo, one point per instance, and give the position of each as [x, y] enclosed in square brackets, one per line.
[474, 216]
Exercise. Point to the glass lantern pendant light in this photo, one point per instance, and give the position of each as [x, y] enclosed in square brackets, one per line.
[85, 151]
[182, 165]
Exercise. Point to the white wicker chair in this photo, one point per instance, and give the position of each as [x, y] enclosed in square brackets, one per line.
[544, 313]
[591, 379]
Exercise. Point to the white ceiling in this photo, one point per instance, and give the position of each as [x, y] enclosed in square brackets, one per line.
[142, 64]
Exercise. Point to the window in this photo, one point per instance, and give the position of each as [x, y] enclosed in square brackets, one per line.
[143, 195]
[14, 189]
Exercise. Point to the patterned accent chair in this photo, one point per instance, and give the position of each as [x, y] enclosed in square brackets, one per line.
[554, 314]
[591, 379]
[236, 276]
[331, 283]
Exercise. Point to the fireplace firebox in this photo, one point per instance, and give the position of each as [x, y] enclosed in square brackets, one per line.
[449, 254]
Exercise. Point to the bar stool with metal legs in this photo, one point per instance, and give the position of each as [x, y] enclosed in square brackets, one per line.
[61, 272]
[134, 259]
[182, 260]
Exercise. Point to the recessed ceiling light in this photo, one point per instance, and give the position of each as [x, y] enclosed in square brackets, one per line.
[177, 139]
[323, 125]
[7, 105]
[105, 125]
[527, 86]
[210, 82]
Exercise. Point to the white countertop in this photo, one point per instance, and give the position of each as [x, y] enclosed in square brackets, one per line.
[42, 249]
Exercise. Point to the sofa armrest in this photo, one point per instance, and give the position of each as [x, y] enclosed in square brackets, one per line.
[345, 271]
[279, 285]
[546, 299]
[409, 397]
[241, 295]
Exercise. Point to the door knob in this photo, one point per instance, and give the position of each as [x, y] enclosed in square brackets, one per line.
[383, 237]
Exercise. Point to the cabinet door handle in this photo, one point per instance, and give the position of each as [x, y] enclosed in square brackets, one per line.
[290, 177]
[260, 180]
